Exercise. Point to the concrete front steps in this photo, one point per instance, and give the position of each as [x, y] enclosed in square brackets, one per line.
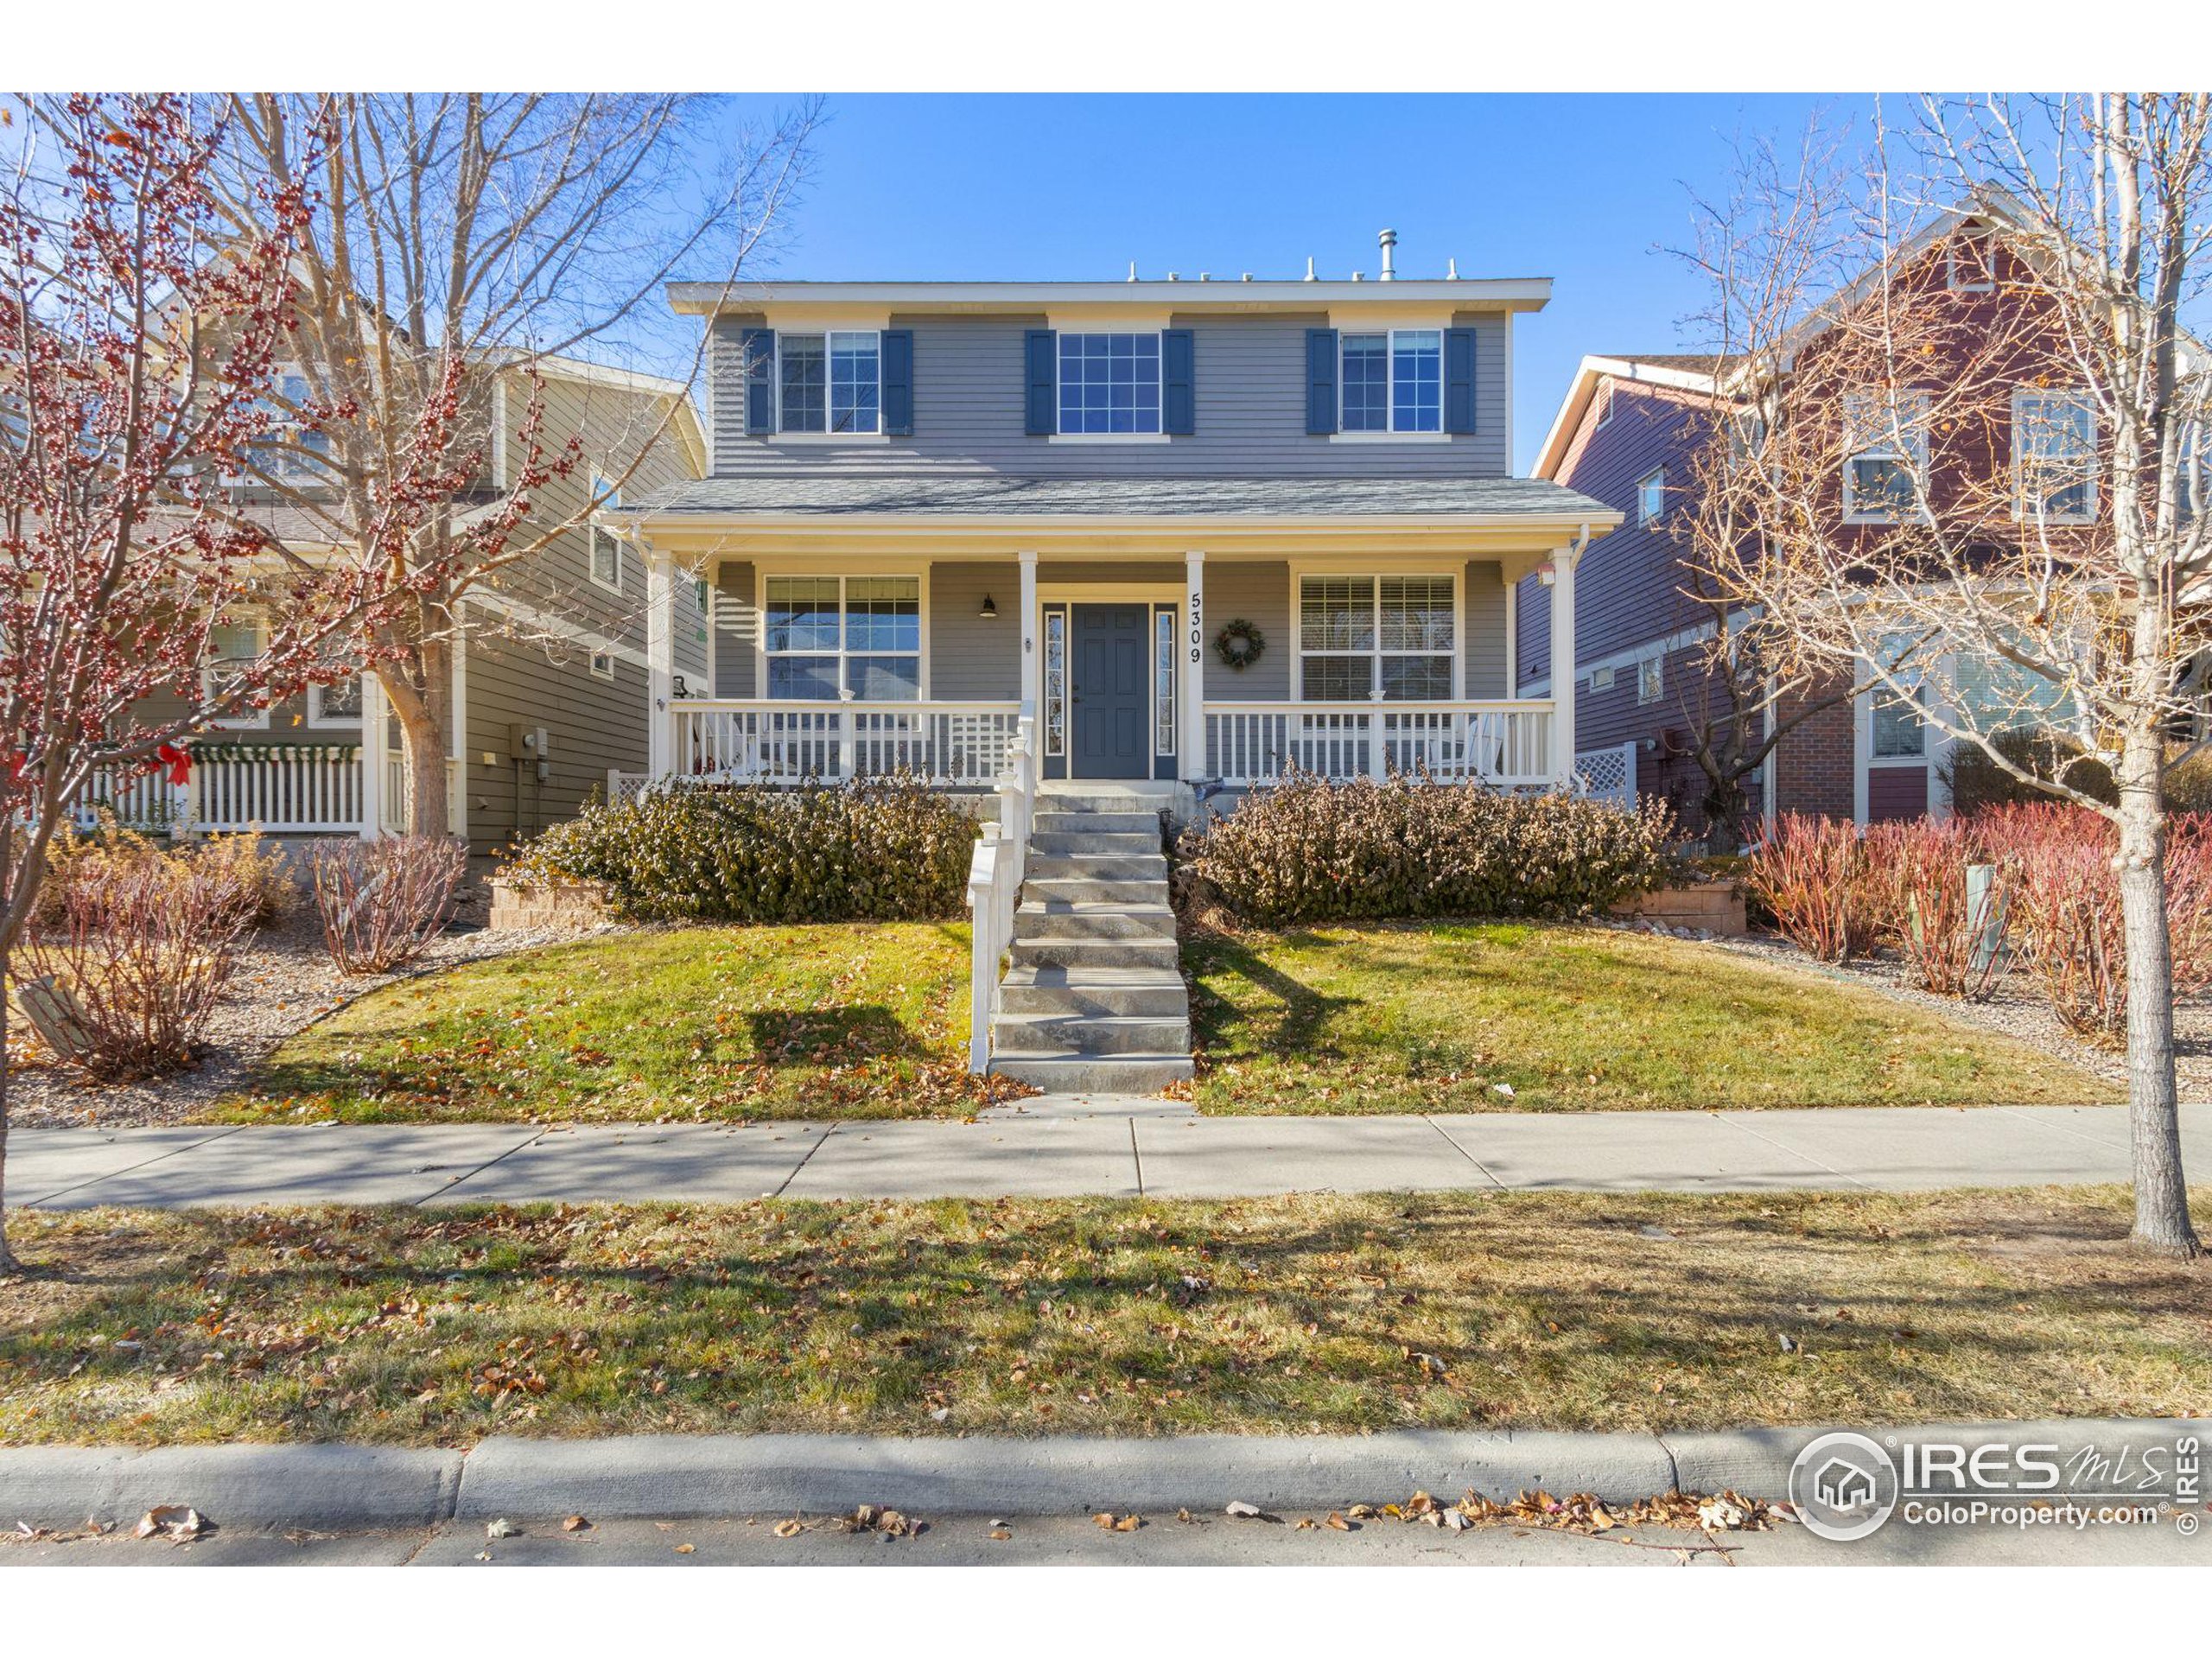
[1094, 1001]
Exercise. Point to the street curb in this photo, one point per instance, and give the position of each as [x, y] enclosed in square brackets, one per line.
[767, 1473]
[363, 1487]
[355, 1488]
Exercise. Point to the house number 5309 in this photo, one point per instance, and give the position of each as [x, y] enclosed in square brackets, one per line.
[1197, 627]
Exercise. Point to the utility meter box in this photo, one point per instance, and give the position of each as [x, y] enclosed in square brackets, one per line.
[528, 743]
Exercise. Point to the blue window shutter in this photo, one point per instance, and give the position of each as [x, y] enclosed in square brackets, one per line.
[757, 352]
[899, 382]
[1320, 380]
[1459, 379]
[1044, 383]
[1179, 409]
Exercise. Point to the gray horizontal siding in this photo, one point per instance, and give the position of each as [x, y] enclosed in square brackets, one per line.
[592, 724]
[1250, 376]
[1260, 595]
[736, 629]
[1483, 674]
[973, 659]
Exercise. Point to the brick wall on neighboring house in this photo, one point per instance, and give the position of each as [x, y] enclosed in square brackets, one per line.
[1814, 763]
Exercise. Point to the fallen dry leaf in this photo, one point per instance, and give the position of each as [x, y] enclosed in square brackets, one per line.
[175, 1522]
[684, 1549]
[789, 1528]
[575, 1523]
[1338, 1521]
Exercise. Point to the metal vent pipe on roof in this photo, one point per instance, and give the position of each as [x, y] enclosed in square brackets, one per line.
[1387, 241]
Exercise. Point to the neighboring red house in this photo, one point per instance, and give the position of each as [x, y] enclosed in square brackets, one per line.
[1628, 434]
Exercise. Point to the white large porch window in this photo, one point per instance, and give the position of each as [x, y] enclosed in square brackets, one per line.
[2054, 456]
[1362, 636]
[852, 637]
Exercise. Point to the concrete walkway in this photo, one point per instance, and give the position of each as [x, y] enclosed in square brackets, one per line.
[1080, 1145]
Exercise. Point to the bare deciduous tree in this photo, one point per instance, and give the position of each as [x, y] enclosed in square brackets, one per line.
[476, 235]
[1969, 417]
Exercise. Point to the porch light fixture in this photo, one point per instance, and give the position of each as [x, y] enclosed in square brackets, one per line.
[990, 612]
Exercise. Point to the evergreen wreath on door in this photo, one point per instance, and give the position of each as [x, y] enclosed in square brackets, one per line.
[1239, 644]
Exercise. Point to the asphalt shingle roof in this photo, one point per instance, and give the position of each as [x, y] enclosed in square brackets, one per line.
[800, 493]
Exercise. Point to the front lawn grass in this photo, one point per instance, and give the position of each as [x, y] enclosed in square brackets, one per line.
[1589, 1311]
[1433, 1016]
[832, 1021]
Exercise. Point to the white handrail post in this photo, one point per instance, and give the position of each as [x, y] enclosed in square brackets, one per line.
[984, 957]
[373, 742]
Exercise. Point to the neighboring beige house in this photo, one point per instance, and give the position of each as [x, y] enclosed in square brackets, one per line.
[556, 642]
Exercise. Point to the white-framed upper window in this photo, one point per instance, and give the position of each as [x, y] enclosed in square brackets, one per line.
[606, 549]
[1364, 636]
[1650, 679]
[844, 636]
[286, 450]
[2054, 456]
[338, 703]
[1885, 440]
[1109, 385]
[601, 665]
[232, 643]
[831, 382]
[1652, 496]
[1392, 381]
[1601, 679]
[1968, 266]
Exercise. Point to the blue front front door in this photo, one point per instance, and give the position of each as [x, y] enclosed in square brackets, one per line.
[1110, 692]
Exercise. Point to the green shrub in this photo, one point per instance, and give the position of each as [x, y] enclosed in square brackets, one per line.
[1309, 850]
[877, 850]
[1978, 784]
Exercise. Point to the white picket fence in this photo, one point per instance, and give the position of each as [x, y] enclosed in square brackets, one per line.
[1608, 775]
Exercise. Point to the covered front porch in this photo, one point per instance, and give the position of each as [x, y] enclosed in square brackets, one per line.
[1202, 671]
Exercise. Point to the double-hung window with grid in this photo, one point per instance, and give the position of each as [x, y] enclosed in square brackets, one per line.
[1359, 636]
[844, 636]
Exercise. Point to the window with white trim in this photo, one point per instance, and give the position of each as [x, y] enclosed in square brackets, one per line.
[1651, 497]
[1110, 384]
[286, 450]
[1163, 680]
[1886, 439]
[1897, 719]
[602, 665]
[338, 703]
[830, 382]
[1650, 679]
[1359, 636]
[1968, 263]
[232, 644]
[856, 637]
[605, 550]
[1393, 381]
[2054, 456]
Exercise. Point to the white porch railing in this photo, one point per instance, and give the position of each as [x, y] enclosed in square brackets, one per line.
[1504, 745]
[944, 742]
[1608, 775]
[280, 789]
[400, 792]
[995, 874]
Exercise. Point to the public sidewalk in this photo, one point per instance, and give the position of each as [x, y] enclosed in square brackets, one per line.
[1076, 1147]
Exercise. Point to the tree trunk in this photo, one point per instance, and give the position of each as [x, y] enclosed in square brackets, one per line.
[2154, 1122]
[8, 1262]
[420, 692]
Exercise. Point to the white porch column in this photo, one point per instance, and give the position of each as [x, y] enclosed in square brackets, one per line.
[1193, 737]
[1032, 659]
[1564, 560]
[373, 724]
[660, 661]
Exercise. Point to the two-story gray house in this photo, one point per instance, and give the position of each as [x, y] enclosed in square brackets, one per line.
[1196, 533]
[930, 504]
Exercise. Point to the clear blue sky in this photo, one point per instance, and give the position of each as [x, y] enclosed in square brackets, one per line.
[1586, 190]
